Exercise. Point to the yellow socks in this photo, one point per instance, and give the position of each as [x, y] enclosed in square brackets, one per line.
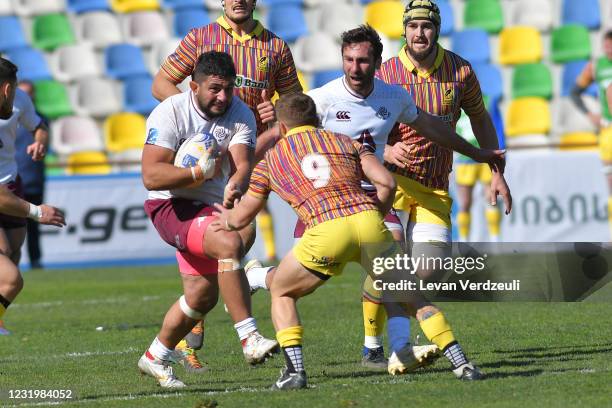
[463, 221]
[437, 330]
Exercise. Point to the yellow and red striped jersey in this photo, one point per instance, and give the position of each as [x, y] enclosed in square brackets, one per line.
[262, 60]
[443, 91]
[317, 172]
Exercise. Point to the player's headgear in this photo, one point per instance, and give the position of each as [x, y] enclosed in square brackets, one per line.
[422, 10]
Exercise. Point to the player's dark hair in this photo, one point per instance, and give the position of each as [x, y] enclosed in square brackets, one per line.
[363, 33]
[297, 109]
[8, 71]
[214, 63]
[608, 35]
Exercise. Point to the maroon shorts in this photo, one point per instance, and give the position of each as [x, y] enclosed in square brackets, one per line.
[392, 222]
[182, 224]
[8, 221]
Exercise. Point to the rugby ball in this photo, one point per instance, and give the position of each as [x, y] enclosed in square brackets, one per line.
[199, 150]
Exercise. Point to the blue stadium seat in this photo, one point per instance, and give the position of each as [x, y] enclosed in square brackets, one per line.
[84, 6]
[584, 12]
[187, 18]
[274, 3]
[287, 21]
[137, 95]
[490, 80]
[179, 4]
[472, 44]
[320, 78]
[571, 71]
[32, 64]
[447, 16]
[124, 60]
[11, 33]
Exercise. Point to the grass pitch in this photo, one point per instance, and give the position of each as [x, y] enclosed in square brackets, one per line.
[535, 354]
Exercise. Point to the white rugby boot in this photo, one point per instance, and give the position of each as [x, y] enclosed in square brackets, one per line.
[160, 370]
[411, 357]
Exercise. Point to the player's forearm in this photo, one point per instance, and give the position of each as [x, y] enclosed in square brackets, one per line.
[266, 141]
[12, 205]
[484, 131]
[385, 198]
[163, 87]
[441, 133]
[41, 134]
[241, 177]
[165, 176]
[576, 97]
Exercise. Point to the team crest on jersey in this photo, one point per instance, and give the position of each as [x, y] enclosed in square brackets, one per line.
[448, 97]
[343, 116]
[221, 134]
[244, 82]
[383, 113]
[262, 64]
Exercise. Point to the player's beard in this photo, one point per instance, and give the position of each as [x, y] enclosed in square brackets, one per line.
[421, 55]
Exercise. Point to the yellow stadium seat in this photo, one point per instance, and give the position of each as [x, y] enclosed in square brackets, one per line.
[124, 131]
[578, 140]
[386, 17]
[528, 116]
[129, 6]
[520, 45]
[302, 82]
[88, 163]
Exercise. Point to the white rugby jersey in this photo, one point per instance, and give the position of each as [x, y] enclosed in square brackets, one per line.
[179, 117]
[25, 115]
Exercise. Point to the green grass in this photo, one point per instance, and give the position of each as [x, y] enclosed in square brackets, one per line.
[535, 354]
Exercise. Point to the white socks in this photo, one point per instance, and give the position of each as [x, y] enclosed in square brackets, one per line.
[159, 351]
[257, 277]
[246, 327]
[373, 342]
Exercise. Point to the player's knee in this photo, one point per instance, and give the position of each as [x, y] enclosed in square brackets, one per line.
[196, 307]
[433, 255]
[230, 246]
[424, 312]
[11, 286]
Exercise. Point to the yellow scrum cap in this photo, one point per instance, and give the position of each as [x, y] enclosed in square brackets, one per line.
[422, 10]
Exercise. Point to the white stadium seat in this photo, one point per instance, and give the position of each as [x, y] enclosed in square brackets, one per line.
[73, 62]
[99, 28]
[145, 27]
[97, 97]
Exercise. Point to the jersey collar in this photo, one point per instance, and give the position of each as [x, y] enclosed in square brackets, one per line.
[299, 129]
[242, 38]
[423, 74]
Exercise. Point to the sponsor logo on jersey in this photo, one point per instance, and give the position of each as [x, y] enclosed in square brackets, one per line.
[244, 82]
[343, 116]
[383, 113]
[152, 136]
[262, 64]
[446, 118]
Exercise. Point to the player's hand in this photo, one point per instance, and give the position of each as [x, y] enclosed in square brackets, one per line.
[221, 223]
[266, 109]
[500, 187]
[397, 154]
[37, 150]
[51, 216]
[595, 119]
[231, 195]
[496, 159]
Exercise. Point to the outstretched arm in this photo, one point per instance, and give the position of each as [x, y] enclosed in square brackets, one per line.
[10, 204]
[241, 215]
[382, 179]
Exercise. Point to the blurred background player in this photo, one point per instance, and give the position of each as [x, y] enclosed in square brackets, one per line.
[467, 174]
[600, 71]
[16, 108]
[208, 258]
[264, 65]
[32, 175]
[319, 174]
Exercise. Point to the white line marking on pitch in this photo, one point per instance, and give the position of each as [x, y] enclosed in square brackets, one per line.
[84, 302]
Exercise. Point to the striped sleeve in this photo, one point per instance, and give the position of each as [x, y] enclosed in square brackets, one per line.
[259, 185]
[472, 102]
[179, 65]
[287, 79]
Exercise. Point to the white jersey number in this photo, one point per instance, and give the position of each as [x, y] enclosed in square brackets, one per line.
[316, 169]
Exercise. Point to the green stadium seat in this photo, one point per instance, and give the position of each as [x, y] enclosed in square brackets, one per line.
[532, 80]
[49, 31]
[570, 42]
[51, 99]
[485, 14]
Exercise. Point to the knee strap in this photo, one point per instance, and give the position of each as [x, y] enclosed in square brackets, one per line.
[189, 312]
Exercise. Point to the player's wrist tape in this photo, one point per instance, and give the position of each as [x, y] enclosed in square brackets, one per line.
[189, 312]
[34, 212]
[229, 226]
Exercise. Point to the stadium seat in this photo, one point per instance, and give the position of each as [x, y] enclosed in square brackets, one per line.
[583, 12]
[32, 64]
[532, 80]
[180, 4]
[84, 6]
[51, 99]
[123, 131]
[133, 158]
[447, 16]
[11, 33]
[570, 43]
[96, 97]
[72, 62]
[130, 6]
[49, 31]
[6, 8]
[213, 5]
[578, 141]
[571, 70]
[28, 8]
[567, 118]
[485, 14]
[528, 116]
[274, 3]
[520, 45]
[317, 52]
[99, 28]
[534, 13]
[73, 134]
[187, 18]
[491, 82]
[137, 95]
[160, 50]
[337, 17]
[51, 165]
[88, 163]
[145, 27]
[386, 17]
[320, 78]
[287, 21]
[472, 44]
[124, 60]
